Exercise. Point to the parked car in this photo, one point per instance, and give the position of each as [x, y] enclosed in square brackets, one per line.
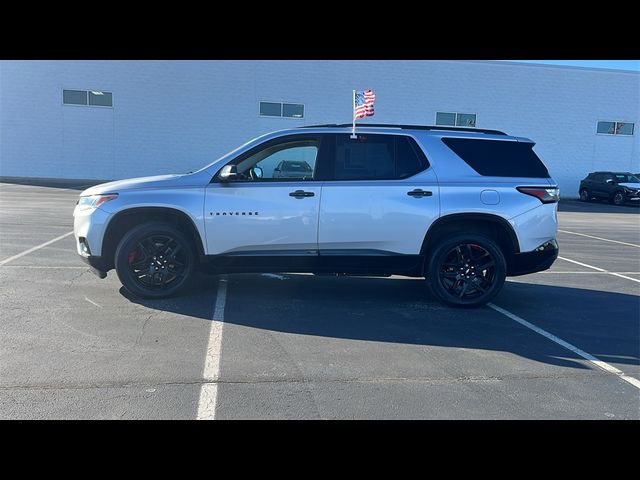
[616, 187]
[293, 169]
[462, 207]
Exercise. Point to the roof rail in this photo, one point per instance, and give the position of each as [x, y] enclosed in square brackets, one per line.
[408, 127]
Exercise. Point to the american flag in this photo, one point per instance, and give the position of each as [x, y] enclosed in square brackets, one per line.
[364, 104]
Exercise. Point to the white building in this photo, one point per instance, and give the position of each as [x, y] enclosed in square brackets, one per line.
[117, 119]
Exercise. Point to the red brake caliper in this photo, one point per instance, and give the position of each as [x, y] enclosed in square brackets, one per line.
[131, 256]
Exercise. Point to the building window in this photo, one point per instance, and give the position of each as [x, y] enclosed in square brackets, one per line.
[74, 97]
[292, 110]
[279, 109]
[456, 119]
[96, 98]
[616, 128]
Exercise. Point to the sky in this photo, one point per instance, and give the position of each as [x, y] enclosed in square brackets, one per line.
[612, 64]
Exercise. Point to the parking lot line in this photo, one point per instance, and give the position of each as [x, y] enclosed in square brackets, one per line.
[587, 356]
[33, 249]
[599, 269]
[589, 273]
[209, 389]
[50, 267]
[600, 238]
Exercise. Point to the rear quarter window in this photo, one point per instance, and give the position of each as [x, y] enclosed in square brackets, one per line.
[498, 158]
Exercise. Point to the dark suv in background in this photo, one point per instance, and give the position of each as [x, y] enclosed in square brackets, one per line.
[617, 187]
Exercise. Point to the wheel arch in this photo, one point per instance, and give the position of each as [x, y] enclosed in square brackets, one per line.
[491, 225]
[124, 220]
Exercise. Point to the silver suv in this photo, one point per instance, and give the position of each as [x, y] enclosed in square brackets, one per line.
[462, 207]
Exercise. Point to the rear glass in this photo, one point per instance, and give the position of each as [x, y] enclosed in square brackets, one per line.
[498, 158]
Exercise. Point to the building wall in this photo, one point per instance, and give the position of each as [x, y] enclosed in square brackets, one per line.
[175, 116]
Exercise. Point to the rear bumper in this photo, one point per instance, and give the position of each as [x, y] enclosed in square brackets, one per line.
[530, 262]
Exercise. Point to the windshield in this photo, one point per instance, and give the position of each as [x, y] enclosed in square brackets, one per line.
[233, 152]
[626, 178]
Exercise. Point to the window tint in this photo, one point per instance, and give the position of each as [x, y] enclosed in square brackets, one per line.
[498, 158]
[598, 177]
[377, 157]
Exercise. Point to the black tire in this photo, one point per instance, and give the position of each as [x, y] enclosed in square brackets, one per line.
[618, 198]
[155, 260]
[584, 195]
[471, 259]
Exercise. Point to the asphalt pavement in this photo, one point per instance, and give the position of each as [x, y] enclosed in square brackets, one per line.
[303, 347]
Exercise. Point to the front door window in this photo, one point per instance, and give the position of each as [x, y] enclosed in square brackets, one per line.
[291, 161]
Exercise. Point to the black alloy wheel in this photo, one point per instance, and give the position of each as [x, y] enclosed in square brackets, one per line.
[155, 260]
[618, 198]
[467, 270]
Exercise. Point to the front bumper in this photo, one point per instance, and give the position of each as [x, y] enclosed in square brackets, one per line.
[96, 265]
[88, 228]
[530, 262]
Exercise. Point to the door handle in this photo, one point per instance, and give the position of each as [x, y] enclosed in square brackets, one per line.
[301, 194]
[417, 193]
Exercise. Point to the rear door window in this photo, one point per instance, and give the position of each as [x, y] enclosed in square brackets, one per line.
[377, 157]
[498, 158]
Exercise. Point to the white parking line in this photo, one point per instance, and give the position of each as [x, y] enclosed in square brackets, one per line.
[600, 238]
[33, 249]
[599, 269]
[209, 389]
[52, 267]
[587, 356]
[589, 273]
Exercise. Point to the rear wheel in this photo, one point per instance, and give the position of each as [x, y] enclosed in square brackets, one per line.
[466, 270]
[584, 195]
[618, 198]
[155, 260]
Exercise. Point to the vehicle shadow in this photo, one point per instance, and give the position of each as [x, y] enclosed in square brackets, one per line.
[596, 206]
[401, 311]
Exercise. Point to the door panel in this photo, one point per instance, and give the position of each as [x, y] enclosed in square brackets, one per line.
[380, 199]
[377, 217]
[248, 218]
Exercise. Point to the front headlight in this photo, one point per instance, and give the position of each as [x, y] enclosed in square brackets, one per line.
[94, 201]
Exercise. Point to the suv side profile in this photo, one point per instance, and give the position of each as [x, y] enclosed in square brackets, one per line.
[463, 208]
[616, 187]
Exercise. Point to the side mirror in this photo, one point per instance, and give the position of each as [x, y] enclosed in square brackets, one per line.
[608, 180]
[258, 172]
[228, 172]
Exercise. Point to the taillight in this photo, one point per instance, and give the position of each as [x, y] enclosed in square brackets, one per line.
[544, 194]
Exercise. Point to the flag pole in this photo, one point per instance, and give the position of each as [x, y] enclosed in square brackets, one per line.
[353, 128]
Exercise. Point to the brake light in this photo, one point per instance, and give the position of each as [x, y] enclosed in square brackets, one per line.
[544, 194]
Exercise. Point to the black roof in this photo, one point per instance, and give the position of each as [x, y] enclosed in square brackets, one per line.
[409, 127]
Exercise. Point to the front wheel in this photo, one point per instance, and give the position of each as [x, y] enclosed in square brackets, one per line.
[466, 270]
[155, 260]
[618, 198]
